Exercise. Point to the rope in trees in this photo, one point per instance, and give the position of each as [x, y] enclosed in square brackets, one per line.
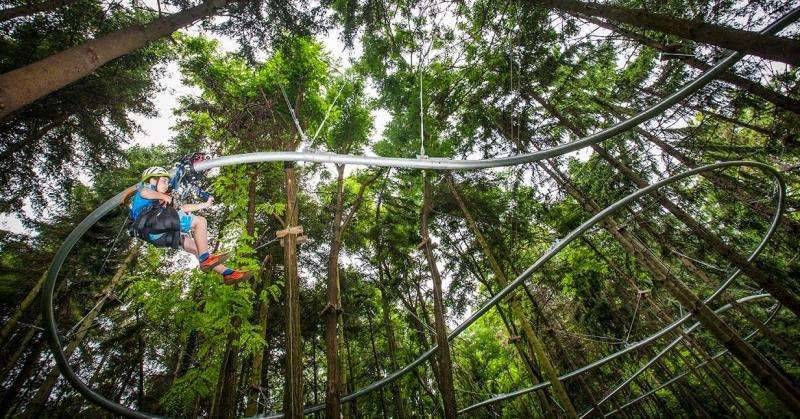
[448, 164]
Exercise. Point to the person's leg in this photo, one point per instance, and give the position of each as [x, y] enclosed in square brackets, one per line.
[189, 245]
[199, 244]
[200, 230]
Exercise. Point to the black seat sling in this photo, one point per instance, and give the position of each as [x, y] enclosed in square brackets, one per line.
[155, 220]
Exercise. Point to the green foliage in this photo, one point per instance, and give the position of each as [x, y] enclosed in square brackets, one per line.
[497, 81]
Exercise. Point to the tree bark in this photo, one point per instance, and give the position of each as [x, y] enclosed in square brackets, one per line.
[399, 401]
[12, 392]
[443, 353]
[293, 391]
[140, 380]
[333, 387]
[21, 346]
[352, 407]
[771, 47]
[258, 357]
[24, 85]
[31, 8]
[224, 404]
[250, 226]
[377, 363]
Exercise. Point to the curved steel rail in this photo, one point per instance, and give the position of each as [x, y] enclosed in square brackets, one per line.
[433, 164]
[613, 208]
[108, 206]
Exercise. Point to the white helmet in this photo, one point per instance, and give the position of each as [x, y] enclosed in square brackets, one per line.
[154, 171]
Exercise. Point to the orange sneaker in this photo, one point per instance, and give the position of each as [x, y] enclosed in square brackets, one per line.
[236, 276]
[212, 261]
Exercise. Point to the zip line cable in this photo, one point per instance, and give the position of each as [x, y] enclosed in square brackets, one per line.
[300, 131]
[328, 112]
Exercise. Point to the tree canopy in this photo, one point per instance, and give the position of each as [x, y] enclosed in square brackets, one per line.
[359, 270]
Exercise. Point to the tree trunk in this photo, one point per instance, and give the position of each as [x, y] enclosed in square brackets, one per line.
[423, 329]
[24, 85]
[258, 357]
[224, 403]
[400, 408]
[12, 392]
[445, 364]
[399, 401]
[226, 394]
[523, 349]
[40, 399]
[186, 358]
[333, 387]
[293, 391]
[352, 406]
[420, 326]
[377, 362]
[20, 346]
[30, 8]
[315, 368]
[250, 226]
[771, 47]
[536, 344]
[140, 381]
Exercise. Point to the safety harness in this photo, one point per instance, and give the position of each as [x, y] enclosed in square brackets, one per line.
[156, 219]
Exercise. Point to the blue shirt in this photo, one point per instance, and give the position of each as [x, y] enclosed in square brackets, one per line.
[140, 204]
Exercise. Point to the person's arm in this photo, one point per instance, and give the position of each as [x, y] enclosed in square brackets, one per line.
[198, 207]
[151, 194]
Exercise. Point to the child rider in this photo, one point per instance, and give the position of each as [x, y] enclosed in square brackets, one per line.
[152, 199]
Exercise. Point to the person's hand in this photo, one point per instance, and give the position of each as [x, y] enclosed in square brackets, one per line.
[166, 199]
[209, 201]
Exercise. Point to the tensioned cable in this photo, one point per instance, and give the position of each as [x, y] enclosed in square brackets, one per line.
[294, 117]
[328, 112]
[436, 164]
[633, 319]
